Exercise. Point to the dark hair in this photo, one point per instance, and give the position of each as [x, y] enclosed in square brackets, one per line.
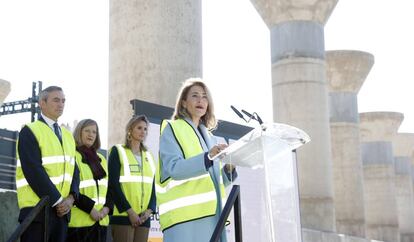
[130, 126]
[77, 134]
[44, 94]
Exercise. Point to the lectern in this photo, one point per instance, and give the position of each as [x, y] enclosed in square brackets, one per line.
[267, 175]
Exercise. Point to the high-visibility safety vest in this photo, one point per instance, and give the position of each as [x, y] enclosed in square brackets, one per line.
[136, 181]
[58, 160]
[95, 190]
[189, 199]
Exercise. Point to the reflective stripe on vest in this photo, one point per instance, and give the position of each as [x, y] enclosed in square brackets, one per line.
[57, 160]
[136, 184]
[173, 183]
[184, 200]
[52, 160]
[88, 187]
[55, 180]
[92, 182]
[49, 160]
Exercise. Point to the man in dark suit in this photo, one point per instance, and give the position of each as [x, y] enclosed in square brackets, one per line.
[46, 167]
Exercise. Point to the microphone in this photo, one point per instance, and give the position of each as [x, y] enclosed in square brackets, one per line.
[248, 114]
[238, 113]
[254, 116]
[258, 118]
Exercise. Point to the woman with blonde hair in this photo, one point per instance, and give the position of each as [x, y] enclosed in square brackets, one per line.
[189, 183]
[131, 181]
[89, 220]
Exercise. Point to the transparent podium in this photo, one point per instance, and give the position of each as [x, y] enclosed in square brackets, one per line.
[267, 176]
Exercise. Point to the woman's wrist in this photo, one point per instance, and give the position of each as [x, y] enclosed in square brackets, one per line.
[105, 210]
[130, 211]
[209, 156]
[207, 161]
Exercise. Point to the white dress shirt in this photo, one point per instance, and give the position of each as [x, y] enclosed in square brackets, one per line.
[50, 123]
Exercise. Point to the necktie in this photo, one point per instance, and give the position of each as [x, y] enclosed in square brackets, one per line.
[56, 129]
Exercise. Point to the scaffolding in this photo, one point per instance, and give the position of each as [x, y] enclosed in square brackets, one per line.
[28, 105]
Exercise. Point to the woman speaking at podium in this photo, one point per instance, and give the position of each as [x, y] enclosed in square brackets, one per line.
[189, 184]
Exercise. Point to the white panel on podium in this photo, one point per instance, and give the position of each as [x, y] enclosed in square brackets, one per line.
[268, 182]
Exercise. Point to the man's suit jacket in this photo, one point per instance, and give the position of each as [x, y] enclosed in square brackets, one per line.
[31, 162]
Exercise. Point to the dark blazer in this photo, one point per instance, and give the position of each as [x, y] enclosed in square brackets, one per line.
[86, 204]
[36, 176]
[119, 199]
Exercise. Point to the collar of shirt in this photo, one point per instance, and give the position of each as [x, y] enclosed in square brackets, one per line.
[201, 131]
[49, 121]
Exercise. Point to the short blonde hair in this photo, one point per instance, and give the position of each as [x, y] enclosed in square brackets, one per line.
[130, 126]
[77, 134]
[209, 120]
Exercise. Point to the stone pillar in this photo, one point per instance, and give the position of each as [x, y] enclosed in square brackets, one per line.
[403, 147]
[412, 177]
[346, 72]
[153, 47]
[300, 97]
[4, 90]
[377, 133]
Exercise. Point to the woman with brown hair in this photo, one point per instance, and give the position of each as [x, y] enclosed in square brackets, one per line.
[90, 218]
[190, 184]
[131, 180]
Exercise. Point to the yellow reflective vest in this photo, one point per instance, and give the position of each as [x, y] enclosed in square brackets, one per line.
[95, 190]
[58, 160]
[136, 181]
[184, 200]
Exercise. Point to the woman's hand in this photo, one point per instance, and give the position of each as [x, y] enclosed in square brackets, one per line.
[145, 215]
[229, 168]
[134, 219]
[95, 215]
[216, 149]
[104, 211]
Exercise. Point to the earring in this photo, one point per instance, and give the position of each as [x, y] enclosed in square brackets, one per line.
[129, 136]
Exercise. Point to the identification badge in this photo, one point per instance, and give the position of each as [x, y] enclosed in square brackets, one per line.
[134, 168]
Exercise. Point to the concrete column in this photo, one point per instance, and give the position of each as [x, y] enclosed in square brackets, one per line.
[153, 47]
[309, 235]
[403, 147]
[300, 96]
[4, 90]
[377, 133]
[346, 72]
[412, 177]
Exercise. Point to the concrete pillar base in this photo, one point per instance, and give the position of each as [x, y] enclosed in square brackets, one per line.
[378, 130]
[353, 227]
[407, 237]
[312, 209]
[385, 233]
[309, 235]
[319, 236]
[348, 179]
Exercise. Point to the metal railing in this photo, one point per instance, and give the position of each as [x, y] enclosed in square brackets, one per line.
[233, 200]
[43, 204]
